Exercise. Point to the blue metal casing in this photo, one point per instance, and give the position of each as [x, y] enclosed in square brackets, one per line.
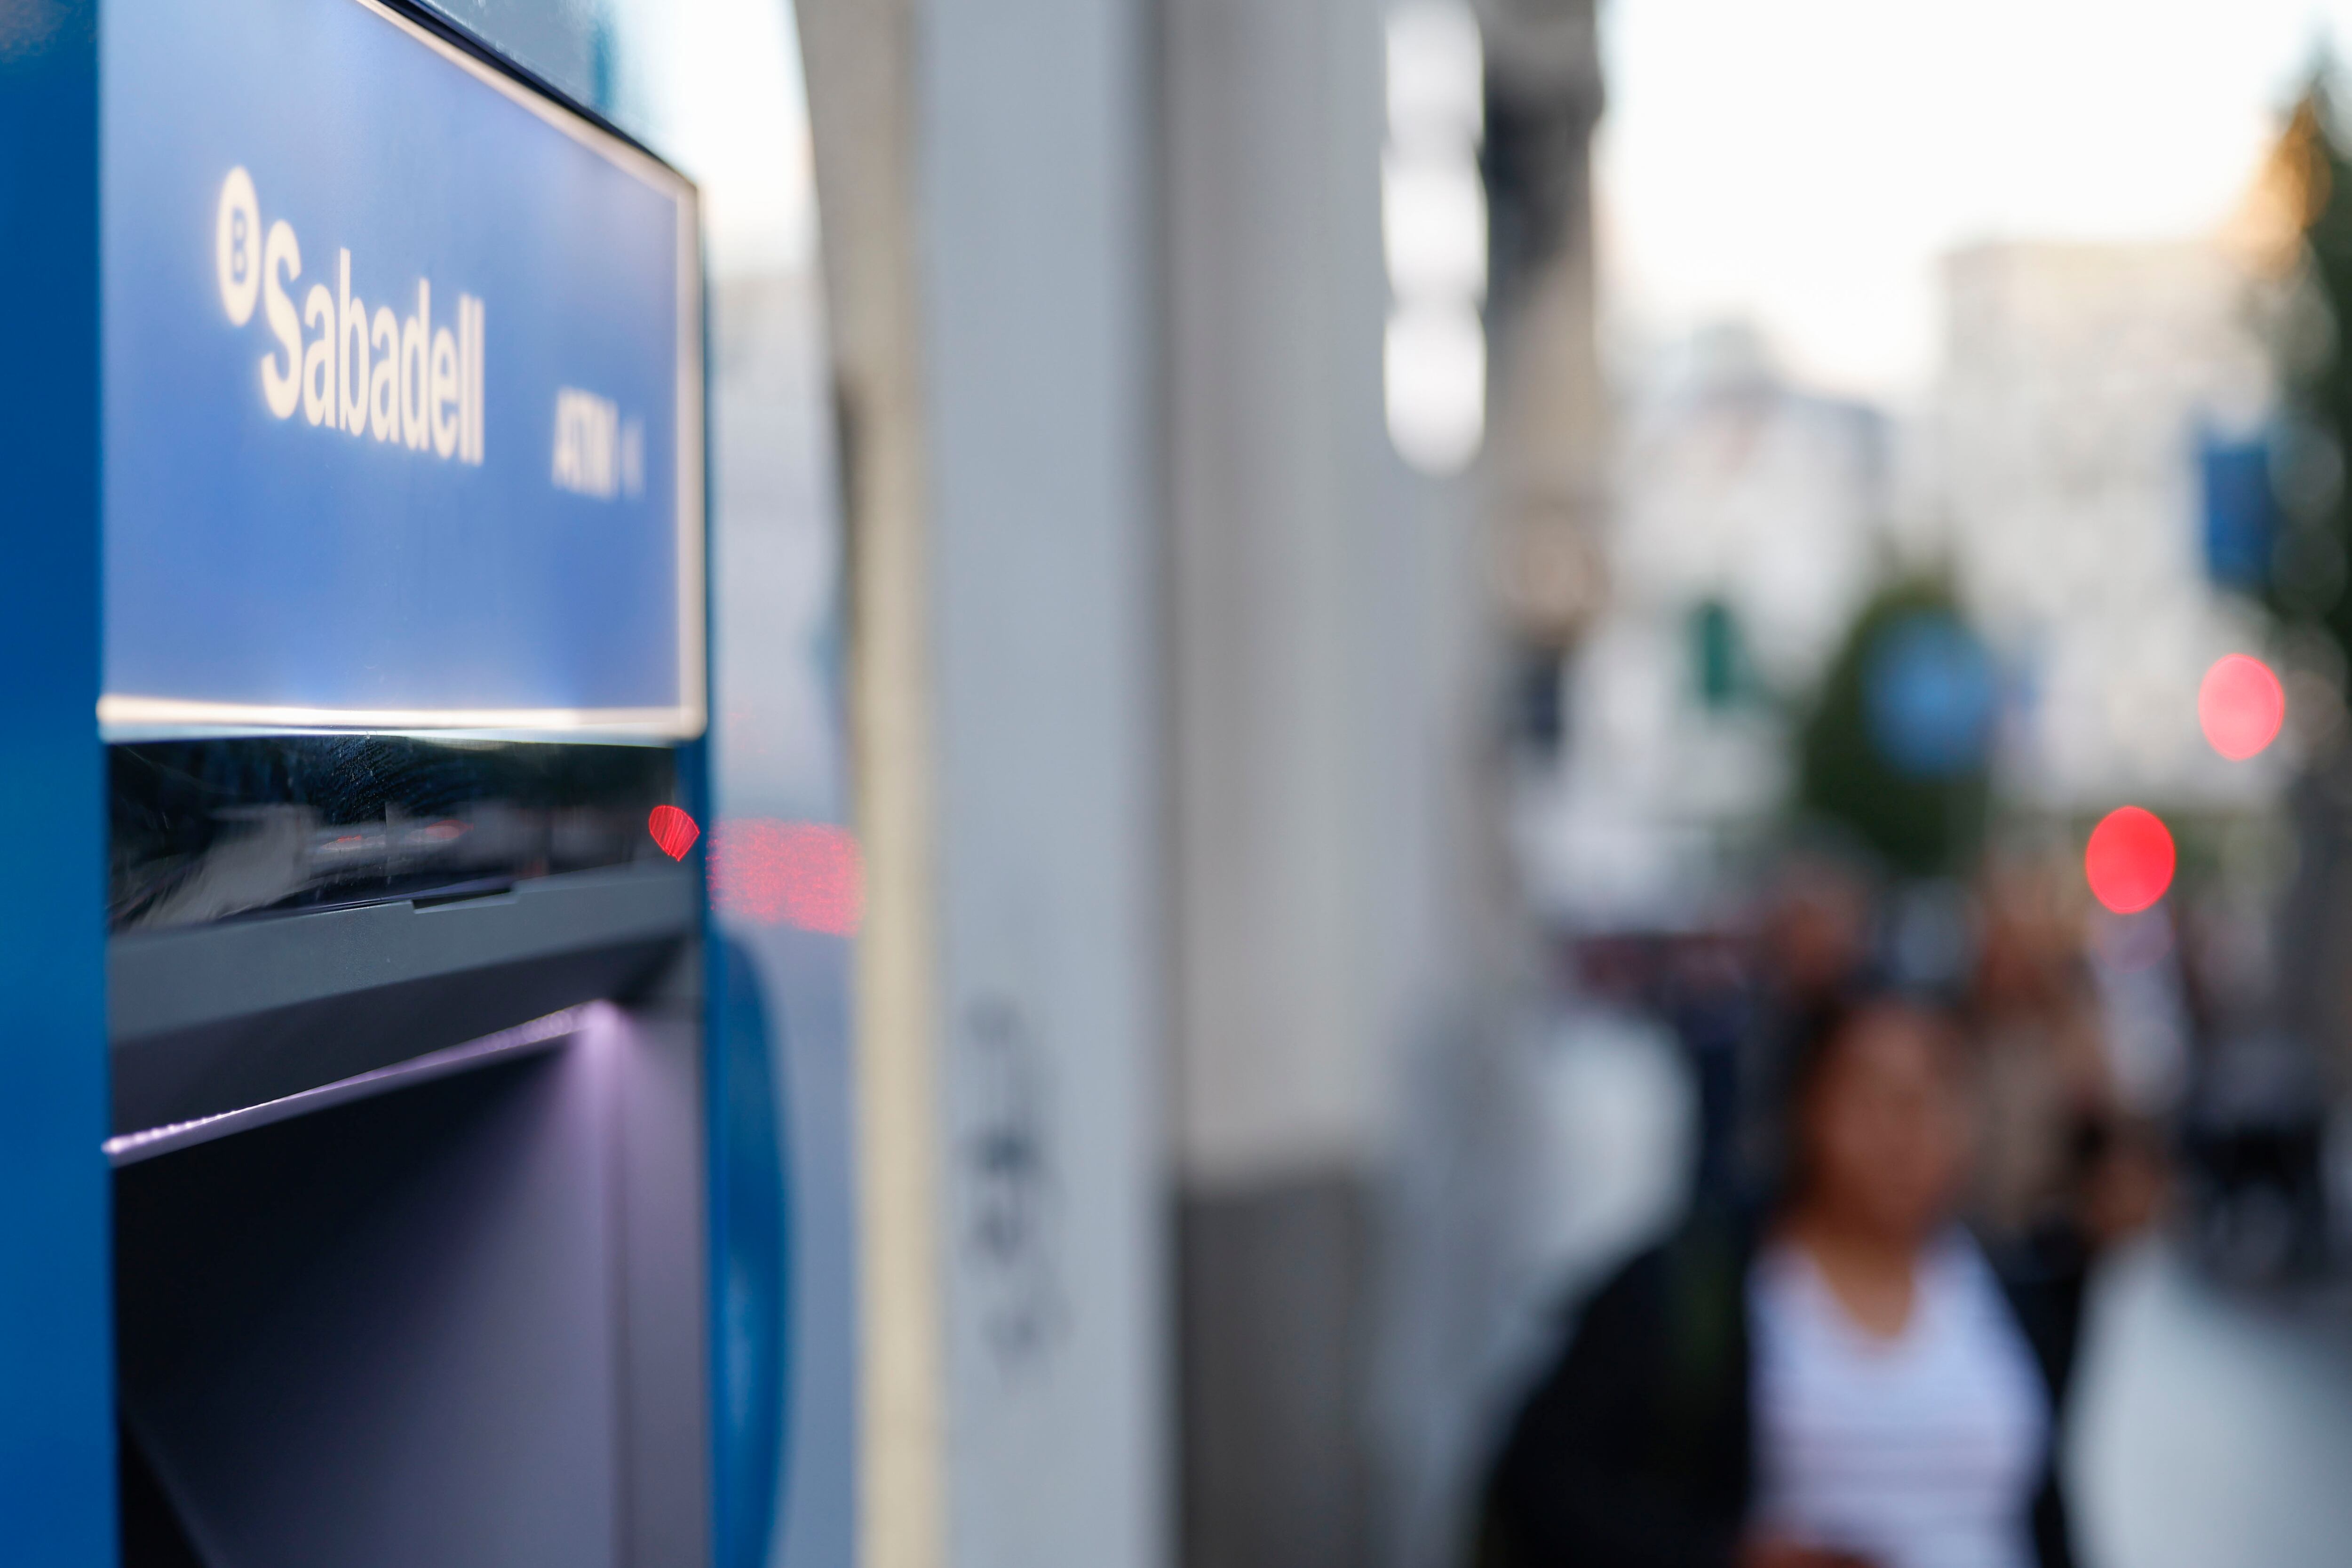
[56, 1443]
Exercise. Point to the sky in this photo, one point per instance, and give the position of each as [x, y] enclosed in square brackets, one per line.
[1801, 164]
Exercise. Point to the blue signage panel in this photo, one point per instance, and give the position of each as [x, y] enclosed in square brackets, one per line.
[402, 392]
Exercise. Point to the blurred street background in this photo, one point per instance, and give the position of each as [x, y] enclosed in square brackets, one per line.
[1410, 583]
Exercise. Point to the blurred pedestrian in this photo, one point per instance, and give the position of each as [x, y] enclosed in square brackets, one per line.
[1812, 950]
[1847, 1382]
[2048, 1103]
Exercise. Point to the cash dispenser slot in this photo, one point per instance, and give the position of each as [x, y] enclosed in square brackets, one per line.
[408, 1252]
[453, 1319]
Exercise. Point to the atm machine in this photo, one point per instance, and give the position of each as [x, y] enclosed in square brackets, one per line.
[358, 1123]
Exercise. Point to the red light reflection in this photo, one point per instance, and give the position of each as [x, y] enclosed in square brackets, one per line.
[673, 830]
[2240, 706]
[2130, 859]
[803, 874]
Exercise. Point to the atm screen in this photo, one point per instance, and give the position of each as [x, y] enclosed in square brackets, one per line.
[402, 400]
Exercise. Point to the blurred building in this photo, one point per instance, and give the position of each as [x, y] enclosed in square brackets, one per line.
[2056, 471]
[1548, 465]
[1751, 520]
[2062, 473]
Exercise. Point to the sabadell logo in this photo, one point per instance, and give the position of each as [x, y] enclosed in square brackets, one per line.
[396, 379]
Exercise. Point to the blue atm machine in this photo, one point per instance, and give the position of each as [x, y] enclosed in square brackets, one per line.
[356, 1123]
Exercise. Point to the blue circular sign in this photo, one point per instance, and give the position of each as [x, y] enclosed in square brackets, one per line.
[1928, 696]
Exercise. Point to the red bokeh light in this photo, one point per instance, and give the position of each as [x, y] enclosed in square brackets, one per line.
[673, 830]
[2130, 859]
[2240, 706]
[803, 874]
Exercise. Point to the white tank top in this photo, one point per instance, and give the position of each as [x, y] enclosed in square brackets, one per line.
[1921, 1451]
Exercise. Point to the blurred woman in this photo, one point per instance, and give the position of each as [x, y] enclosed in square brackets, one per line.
[1851, 1384]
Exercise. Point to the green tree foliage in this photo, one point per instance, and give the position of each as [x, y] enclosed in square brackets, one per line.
[2310, 179]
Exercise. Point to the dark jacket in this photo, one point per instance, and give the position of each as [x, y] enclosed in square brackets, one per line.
[1636, 1449]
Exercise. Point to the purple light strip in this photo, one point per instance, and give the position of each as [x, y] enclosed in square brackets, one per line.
[130, 1148]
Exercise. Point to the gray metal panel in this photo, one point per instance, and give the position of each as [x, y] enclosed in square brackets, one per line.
[662, 1223]
[166, 980]
[219, 1018]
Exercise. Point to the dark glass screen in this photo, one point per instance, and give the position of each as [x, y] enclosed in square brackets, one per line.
[217, 829]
